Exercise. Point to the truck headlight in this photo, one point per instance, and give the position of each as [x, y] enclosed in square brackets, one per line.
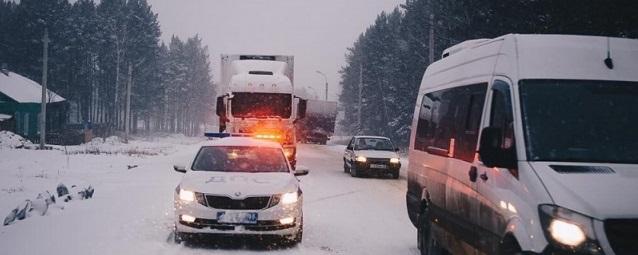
[394, 160]
[569, 230]
[361, 159]
[289, 198]
[186, 195]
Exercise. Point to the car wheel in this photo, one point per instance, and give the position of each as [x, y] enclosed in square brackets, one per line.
[178, 237]
[345, 167]
[426, 242]
[395, 174]
[353, 171]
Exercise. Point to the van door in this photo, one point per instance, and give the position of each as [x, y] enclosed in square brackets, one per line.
[496, 186]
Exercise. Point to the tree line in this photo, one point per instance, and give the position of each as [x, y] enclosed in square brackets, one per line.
[96, 48]
[385, 65]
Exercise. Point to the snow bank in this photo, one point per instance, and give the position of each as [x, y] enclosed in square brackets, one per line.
[11, 140]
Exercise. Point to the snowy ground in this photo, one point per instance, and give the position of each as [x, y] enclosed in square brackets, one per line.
[131, 211]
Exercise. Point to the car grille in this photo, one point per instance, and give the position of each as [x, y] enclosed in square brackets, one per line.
[227, 203]
[381, 161]
[621, 234]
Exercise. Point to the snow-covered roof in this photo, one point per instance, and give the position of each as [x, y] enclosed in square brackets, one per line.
[242, 141]
[4, 117]
[24, 90]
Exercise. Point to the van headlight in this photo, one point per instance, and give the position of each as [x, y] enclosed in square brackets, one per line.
[568, 230]
[186, 195]
[289, 198]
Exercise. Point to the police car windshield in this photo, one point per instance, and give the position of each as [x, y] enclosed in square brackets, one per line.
[240, 159]
[580, 121]
[256, 105]
[373, 144]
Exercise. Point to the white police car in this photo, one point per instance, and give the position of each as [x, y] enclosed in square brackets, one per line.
[239, 186]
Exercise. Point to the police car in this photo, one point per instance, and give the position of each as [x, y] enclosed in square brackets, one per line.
[239, 186]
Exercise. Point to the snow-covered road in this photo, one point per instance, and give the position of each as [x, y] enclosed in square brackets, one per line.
[131, 212]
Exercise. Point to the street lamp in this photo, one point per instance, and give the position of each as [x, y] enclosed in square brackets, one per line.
[326, 79]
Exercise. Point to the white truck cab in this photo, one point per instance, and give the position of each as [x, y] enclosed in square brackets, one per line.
[526, 144]
[259, 99]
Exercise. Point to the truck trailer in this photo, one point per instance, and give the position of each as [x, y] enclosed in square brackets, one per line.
[319, 122]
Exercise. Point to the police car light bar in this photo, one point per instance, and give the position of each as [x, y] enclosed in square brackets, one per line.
[224, 135]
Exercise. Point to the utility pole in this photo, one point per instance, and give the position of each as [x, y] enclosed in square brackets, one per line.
[127, 115]
[43, 104]
[360, 89]
[431, 44]
[326, 80]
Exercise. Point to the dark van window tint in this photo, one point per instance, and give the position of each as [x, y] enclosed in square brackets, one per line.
[449, 118]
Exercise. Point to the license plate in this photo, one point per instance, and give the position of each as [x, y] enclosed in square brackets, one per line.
[378, 166]
[237, 217]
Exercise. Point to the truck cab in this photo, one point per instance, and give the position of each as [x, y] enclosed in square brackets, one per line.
[259, 99]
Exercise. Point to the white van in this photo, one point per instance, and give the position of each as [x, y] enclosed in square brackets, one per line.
[527, 144]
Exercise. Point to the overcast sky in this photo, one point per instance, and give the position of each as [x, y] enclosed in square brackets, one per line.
[316, 32]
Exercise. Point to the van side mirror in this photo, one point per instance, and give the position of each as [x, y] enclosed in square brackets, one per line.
[490, 151]
[301, 108]
[179, 168]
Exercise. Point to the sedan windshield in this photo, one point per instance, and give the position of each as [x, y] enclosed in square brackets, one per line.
[261, 105]
[240, 159]
[580, 121]
[380, 144]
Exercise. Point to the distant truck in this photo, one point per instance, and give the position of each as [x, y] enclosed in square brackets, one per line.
[319, 122]
[258, 99]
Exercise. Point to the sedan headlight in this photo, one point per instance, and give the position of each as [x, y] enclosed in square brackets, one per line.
[289, 198]
[361, 159]
[186, 195]
[569, 230]
[394, 160]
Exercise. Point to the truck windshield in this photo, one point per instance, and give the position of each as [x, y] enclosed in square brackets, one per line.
[261, 105]
[240, 159]
[580, 121]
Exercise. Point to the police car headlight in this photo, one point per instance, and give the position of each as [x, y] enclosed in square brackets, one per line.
[186, 195]
[289, 198]
[394, 160]
[568, 230]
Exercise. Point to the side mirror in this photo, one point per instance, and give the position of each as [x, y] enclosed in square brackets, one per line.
[301, 108]
[490, 151]
[179, 168]
[301, 170]
[396, 150]
[221, 107]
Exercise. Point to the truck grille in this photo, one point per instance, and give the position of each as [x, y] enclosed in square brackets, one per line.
[227, 203]
[621, 234]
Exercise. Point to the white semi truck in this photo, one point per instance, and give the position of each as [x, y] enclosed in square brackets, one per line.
[258, 99]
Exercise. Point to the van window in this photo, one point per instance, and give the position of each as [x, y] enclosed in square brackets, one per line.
[451, 115]
[501, 115]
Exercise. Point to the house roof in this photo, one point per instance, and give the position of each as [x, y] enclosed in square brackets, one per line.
[24, 90]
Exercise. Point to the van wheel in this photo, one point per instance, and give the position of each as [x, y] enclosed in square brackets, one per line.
[427, 244]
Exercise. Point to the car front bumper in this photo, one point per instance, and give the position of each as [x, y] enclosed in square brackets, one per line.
[267, 220]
